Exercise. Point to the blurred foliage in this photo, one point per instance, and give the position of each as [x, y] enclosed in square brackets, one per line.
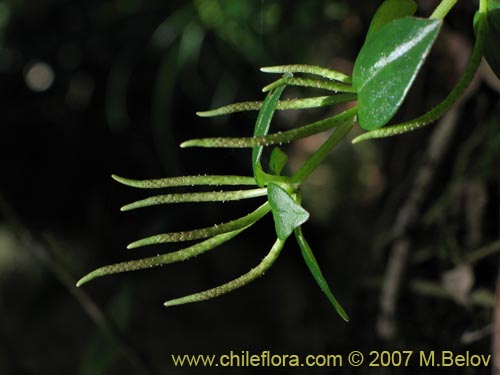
[95, 87]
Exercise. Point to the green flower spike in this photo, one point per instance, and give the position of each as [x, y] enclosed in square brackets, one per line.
[283, 195]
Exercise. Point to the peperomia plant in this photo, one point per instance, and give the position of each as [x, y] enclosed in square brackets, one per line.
[396, 46]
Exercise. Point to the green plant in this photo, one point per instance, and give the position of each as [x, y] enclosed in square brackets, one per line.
[395, 49]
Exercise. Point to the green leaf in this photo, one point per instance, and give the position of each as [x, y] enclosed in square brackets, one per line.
[313, 265]
[278, 161]
[387, 66]
[287, 213]
[262, 126]
[491, 50]
[391, 10]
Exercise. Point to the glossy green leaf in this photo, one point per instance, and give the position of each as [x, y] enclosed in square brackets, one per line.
[391, 10]
[313, 266]
[388, 64]
[278, 161]
[491, 50]
[262, 126]
[287, 213]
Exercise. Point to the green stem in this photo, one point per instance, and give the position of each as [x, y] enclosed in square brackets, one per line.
[197, 234]
[483, 6]
[443, 9]
[212, 196]
[250, 276]
[312, 163]
[448, 102]
[275, 138]
[185, 181]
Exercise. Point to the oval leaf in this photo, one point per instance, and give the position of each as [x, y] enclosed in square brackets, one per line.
[391, 10]
[287, 213]
[387, 66]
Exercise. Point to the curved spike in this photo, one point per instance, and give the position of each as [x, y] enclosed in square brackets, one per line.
[315, 102]
[205, 232]
[275, 138]
[247, 278]
[163, 259]
[209, 180]
[308, 69]
[212, 196]
[309, 82]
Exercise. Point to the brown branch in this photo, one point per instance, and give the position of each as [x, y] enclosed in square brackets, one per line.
[43, 249]
[406, 218]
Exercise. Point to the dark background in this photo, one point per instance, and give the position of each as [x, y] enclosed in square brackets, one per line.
[90, 88]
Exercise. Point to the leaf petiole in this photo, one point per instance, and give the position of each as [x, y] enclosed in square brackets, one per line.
[443, 9]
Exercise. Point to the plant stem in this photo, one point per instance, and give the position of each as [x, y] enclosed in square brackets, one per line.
[483, 6]
[443, 9]
[312, 163]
